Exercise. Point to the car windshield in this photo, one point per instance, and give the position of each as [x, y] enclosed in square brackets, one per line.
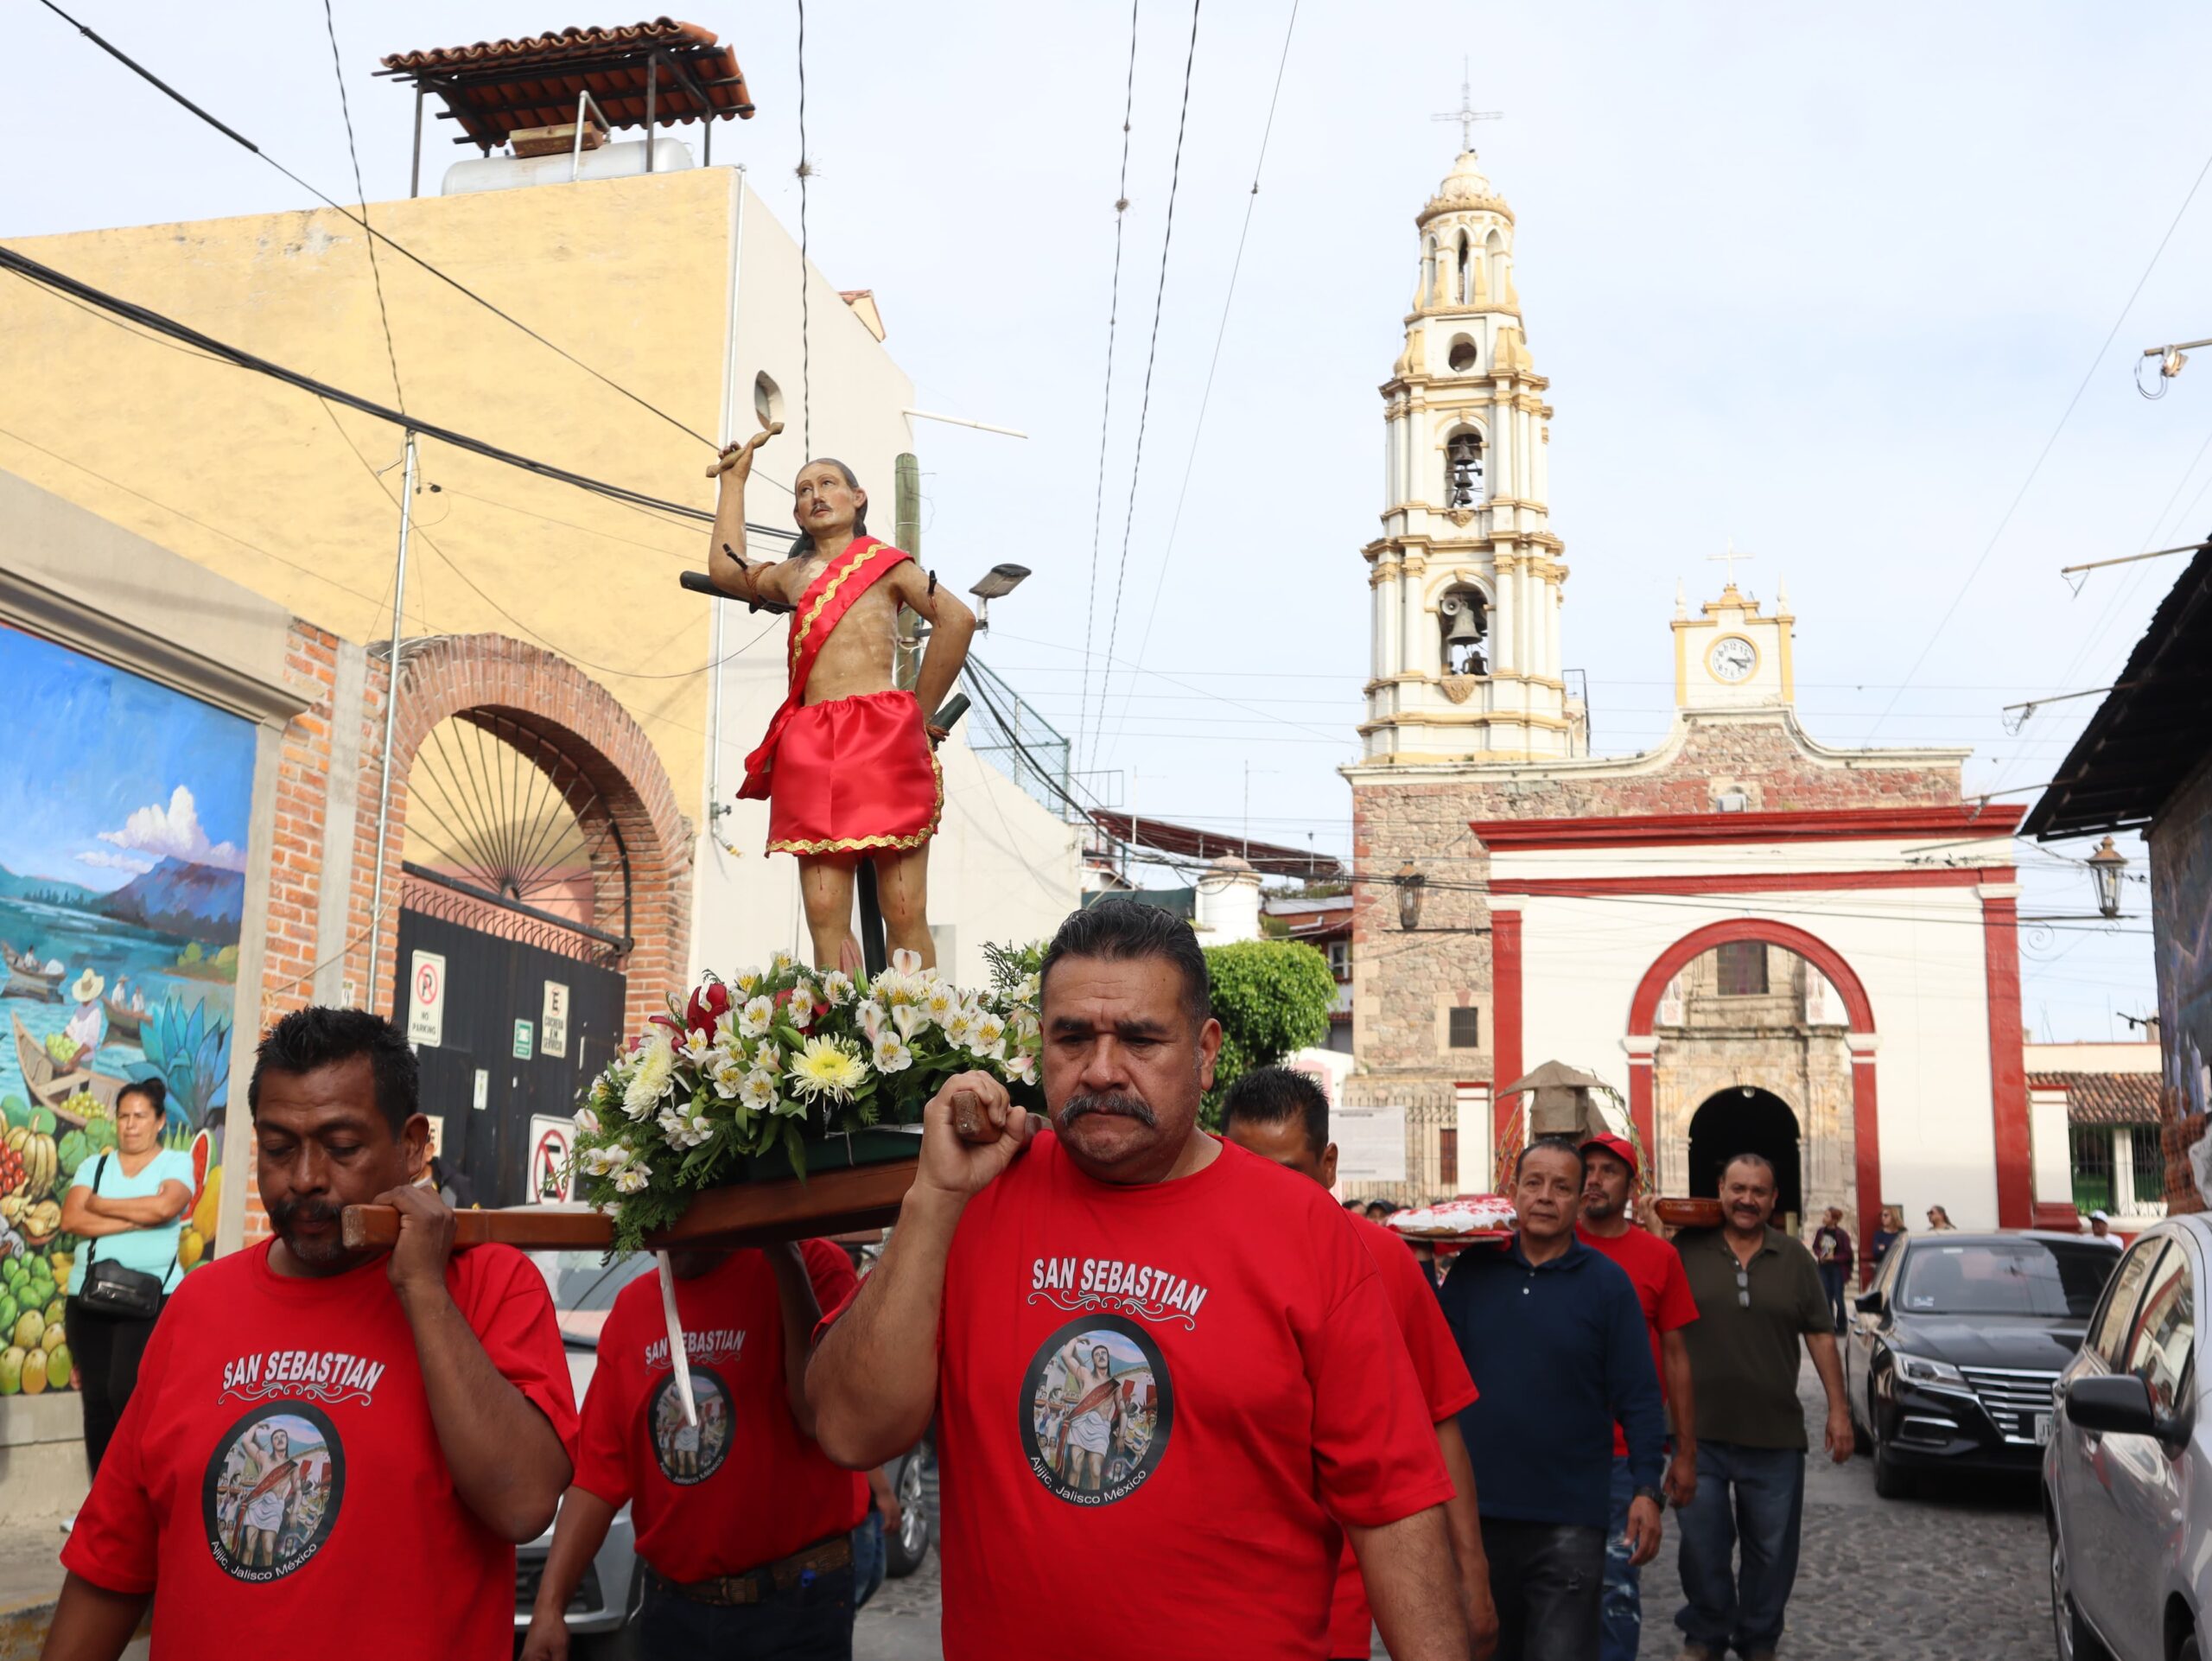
[584, 1284]
[2054, 1279]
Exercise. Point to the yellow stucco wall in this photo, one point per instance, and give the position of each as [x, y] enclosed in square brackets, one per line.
[261, 482]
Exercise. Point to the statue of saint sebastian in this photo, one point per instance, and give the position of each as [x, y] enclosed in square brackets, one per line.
[848, 765]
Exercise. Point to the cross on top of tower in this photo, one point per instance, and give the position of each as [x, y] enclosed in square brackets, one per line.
[1466, 115]
[1730, 557]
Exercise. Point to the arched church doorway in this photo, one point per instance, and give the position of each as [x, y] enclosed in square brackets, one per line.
[1747, 1120]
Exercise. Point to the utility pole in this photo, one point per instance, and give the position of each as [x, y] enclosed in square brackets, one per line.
[391, 720]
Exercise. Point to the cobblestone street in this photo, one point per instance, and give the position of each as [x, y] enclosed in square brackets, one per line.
[1955, 1575]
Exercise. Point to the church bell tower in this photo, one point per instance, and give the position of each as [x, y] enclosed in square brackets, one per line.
[1465, 579]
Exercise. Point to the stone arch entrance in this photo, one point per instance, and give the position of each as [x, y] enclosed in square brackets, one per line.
[1853, 1181]
[537, 867]
[1745, 1119]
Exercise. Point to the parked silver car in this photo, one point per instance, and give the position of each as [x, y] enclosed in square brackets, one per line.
[2127, 1477]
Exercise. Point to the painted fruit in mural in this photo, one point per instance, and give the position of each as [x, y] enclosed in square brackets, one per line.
[11, 1371]
[38, 1159]
[58, 1364]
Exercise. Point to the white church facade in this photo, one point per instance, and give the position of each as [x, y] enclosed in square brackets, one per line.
[1761, 941]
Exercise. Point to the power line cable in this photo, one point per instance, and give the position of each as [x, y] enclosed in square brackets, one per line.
[1205, 398]
[352, 150]
[240, 138]
[12, 260]
[2020, 495]
[1152, 354]
[1106, 402]
[805, 287]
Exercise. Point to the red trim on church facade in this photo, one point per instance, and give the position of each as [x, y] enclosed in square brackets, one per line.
[1505, 1015]
[1866, 1131]
[1939, 876]
[2008, 1075]
[1829, 825]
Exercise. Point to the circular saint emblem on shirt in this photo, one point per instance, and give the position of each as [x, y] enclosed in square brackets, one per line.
[1097, 1408]
[272, 1495]
[691, 1453]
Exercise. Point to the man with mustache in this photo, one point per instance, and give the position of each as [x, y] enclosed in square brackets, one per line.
[847, 766]
[1554, 1337]
[437, 1381]
[1281, 1401]
[1758, 1292]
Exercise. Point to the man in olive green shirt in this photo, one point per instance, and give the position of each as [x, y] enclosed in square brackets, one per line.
[1758, 1293]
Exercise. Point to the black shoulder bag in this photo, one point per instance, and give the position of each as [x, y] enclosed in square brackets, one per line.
[110, 1289]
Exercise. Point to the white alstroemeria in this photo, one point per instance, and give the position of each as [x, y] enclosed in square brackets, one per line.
[891, 1054]
[991, 1034]
[872, 1018]
[1026, 1026]
[940, 1001]
[728, 1074]
[1025, 989]
[753, 1019]
[748, 982]
[686, 1130]
[605, 1161]
[653, 1079]
[906, 961]
[697, 1046]
[1022, 1068]
[587, 1122]
[758, 1091]
[960, 1030]
[836, 988]
[769, 1058]
[909, 1018]
[799, 1012]
[778, 962]
[804, 991]
[632, 1180]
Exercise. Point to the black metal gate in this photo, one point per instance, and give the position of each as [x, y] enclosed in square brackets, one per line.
[491, 1071]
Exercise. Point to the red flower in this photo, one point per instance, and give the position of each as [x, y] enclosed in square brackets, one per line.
[710, 1003]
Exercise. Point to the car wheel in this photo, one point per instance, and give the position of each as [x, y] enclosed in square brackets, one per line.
[903, 1552]
[2075, 1642]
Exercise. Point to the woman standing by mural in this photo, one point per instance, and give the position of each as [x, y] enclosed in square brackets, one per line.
[129, 1205]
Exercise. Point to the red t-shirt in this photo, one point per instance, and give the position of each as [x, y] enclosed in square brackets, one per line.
[276, 1481]
[743, 1487]
[1662, 1286]
[1445, 1385]
[1153, 1399]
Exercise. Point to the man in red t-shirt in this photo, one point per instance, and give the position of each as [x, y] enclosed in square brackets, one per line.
[329, 1448]
[1182, 1499]
[744, 1527]
[1280, 1114]
[1662, 1288]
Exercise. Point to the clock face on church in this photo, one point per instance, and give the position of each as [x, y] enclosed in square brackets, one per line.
[1731, 658]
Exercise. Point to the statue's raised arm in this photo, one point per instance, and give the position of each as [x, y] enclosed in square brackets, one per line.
[726, 564]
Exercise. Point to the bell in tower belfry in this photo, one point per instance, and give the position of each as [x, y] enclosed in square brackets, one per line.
[1465, 581]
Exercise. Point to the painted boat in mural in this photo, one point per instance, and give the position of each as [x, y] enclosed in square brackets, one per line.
[50, 1086]
[123, 1020]
[30, 978]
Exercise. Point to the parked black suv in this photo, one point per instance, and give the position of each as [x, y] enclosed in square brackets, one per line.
[1954, 1350]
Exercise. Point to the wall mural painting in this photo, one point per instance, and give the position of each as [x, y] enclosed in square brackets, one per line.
[123, 829]
[2180, 903]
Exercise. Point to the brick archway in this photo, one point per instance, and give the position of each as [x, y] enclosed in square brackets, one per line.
[1642, 1039]
[557, 704]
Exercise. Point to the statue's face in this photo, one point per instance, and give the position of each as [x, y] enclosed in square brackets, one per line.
[822, 504]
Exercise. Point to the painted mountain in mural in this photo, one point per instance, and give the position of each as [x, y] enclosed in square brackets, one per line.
[46, 890]
[194, 902]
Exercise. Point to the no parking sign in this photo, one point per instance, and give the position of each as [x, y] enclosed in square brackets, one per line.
[426, 999]
[551, 1143]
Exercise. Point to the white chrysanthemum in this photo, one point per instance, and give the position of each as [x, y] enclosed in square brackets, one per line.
[826, 1068]
[752, 1020]
[587, 1122]
[836, 988]
[632, 1180]
[758, 1091]
[892, 1055]
[909, 1018]
[653, 1078]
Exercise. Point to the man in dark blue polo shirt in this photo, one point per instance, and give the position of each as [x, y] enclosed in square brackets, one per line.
[1554, 1337]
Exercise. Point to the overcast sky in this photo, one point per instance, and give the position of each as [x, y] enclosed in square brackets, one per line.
[1820, 282]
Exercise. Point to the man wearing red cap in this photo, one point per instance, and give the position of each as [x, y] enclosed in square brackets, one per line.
[1662, 1288]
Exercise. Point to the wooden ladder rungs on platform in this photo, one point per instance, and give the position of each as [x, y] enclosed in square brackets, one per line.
[744, 1213]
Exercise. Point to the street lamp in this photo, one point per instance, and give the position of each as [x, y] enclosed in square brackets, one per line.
[1409, 883]
[996, 583]
[2105, 867]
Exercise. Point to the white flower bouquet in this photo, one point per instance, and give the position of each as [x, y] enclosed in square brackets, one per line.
[782, 1059]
